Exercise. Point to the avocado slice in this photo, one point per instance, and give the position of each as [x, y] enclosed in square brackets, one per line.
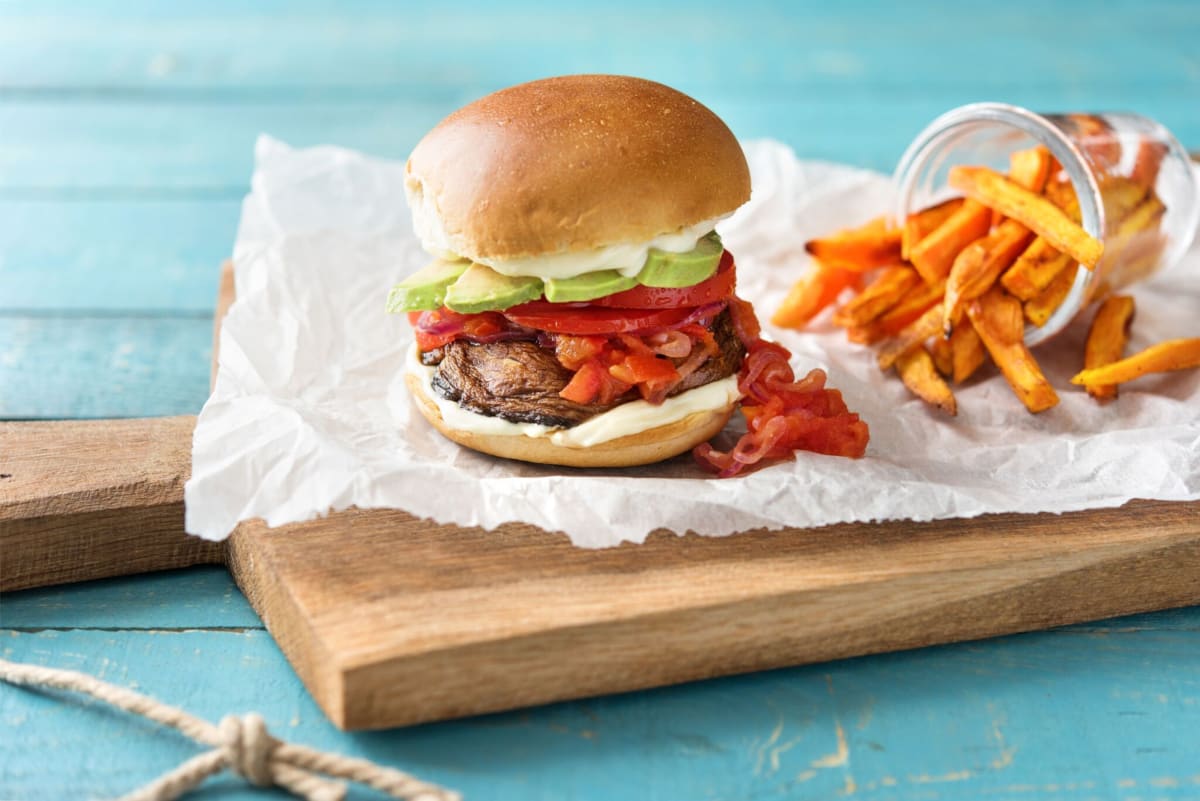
[665, 269]
[425, 289]
[587, 286]
[481, 289]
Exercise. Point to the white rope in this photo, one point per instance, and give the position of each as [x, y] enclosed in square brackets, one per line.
[241, 744]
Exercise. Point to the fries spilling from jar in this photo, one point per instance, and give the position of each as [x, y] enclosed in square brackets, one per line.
[955, 285]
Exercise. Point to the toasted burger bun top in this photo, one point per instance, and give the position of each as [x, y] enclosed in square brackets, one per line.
[572, 164]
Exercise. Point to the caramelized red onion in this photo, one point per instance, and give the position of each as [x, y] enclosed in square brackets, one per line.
[672, 344]
[451, 325]
[783, 415]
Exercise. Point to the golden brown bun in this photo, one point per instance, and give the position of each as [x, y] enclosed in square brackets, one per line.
[646, 447]
[576, 163]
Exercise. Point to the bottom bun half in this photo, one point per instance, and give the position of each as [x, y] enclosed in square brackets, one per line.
[644, 447]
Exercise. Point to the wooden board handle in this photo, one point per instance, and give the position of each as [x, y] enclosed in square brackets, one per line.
[89, 499]
[82, 500]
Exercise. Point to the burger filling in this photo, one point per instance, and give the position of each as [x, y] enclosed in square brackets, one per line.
[562, 380]
[559, 352]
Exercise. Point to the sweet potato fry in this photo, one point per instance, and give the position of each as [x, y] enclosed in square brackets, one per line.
[1147, 163]
[1041, 262]
[1121, 196]
[1174, 354]
[1137, 244]
[1039, 309]
[1049, 262]
[917, 371]
[942, 351]
[1033, 211]
[1062, 194]
[935, 253]
[1034, 270]
[1029, 168]
[919, 225]
[1144, 217]
[1096, 139]
[967, 350]
[877, 297]
[902, 314]
[911, 336]
[998, 320]
[817, 289]
[978, 266]
[1106, 340]
[864, 334]
[864, 248]
[1055, 167]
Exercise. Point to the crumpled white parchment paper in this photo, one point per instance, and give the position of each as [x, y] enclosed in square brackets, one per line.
[299, 422]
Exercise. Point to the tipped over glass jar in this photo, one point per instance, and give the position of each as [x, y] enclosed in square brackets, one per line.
[1134, 187]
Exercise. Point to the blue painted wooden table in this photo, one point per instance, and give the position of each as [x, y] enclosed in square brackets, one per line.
[126, 131]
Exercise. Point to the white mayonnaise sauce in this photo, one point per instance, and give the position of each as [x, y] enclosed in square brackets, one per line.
[628, 418]
[626, 258]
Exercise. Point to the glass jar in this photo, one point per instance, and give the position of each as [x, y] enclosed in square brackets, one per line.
[1105, 156]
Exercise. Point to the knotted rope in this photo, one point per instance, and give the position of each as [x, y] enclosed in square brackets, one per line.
[241, 744]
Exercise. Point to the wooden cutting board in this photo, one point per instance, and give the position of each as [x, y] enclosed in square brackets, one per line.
[391, 620]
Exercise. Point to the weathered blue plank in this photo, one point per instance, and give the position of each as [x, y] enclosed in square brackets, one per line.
[120, 145]
[124, 255]
[55, 367]
[124, 147]
[198, 597]
[1040, 715]
[148, 111]
[430, 48]
[174, 98]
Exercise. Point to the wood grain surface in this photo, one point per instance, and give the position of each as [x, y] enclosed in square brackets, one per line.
[392, 620]
[88, 499]
[83, 500]
[127, 129]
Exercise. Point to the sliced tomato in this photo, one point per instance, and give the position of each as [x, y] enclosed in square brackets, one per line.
[555, 318]
[644, 368]
[574, 352]
[594, 383]
[717, 287]
[585, 385]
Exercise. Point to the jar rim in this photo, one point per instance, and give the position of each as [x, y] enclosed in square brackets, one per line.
[1091, 207]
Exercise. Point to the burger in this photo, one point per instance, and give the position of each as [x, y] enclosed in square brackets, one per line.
[580, 309]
